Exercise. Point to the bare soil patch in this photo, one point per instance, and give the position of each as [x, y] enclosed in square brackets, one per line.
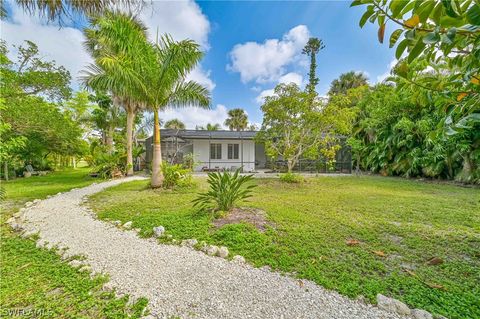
[253, 216]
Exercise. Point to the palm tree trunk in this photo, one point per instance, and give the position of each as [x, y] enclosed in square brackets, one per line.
[5, 170]
[130, 118]
[109, 139]
[157, 175]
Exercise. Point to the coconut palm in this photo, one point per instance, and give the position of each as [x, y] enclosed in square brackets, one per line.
[115, 40]
[237, 120]
[347, 81]
[54, 10]
[165, 66]
[175, 124]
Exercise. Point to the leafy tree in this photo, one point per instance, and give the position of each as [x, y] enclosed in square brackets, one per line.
[440, 34]
[294, 126]
[347, 81]
[30, 75]
[175, 124]
[313, 46]
[237, 120]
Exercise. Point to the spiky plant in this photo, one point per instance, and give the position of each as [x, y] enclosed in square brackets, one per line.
[226, 189]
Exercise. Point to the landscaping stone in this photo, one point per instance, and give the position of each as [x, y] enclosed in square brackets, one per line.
[158, 231]
[28, 204]
[117, 223]
[238, 259]
[36, 201]
[189, 242]
[421, 314]
[212, 250]
[223, 252]
[392, 305]
[127, 225]
[76, 263]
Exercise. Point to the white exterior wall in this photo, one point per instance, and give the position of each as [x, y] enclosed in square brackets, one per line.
[201, 151]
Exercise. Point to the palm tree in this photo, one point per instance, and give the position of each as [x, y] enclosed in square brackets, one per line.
[237, 120]
[347, 81]
[57, 9]
[175, 124]
[165, 66]
[313, 46]
[209, 127]
[117, 39]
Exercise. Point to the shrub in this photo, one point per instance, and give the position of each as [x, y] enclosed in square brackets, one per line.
[291, 178]
[175, 175]
[107, 165]
[225, 190]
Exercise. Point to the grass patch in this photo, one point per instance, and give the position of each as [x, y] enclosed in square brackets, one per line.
[36, 283]
[408, 222]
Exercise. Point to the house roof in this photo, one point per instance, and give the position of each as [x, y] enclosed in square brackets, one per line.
[203, 134]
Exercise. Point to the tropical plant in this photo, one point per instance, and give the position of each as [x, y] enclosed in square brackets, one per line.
[226, 189]
[209, 127]
[56, 10]
[347, 81]
[116, 40]
[440, 35]
[313, 46]
[237, 120]
[108, 165]
[175, 176]
[174, 124]
[291, 178]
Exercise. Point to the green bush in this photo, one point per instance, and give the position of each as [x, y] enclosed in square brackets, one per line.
[106, 165]
[176, 176]
[225, 190]
[291, 178]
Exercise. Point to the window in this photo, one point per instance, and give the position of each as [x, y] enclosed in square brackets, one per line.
[233, 151]
[215, 151]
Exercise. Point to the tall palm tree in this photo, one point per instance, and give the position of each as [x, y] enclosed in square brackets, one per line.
[175, 124]
[237, 120]
[165, 65]
[313, 46]
[347, 81]
[117, 39]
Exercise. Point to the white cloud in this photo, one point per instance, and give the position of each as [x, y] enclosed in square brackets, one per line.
[193, 116]
[288, 78]
[266, 62]
[201, 76]
[181, 19]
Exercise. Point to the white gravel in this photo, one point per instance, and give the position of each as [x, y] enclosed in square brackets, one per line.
[179, 281]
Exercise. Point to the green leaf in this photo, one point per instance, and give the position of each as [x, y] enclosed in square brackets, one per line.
[451, 33]
[416, 50]
[401, 48]
[394, 37]
[401, 69]
[425, 10]
[450, 8]
[356, 3]
[365, 16]
[445, 39]
[396, 7]
[431, 38]
[473, 14]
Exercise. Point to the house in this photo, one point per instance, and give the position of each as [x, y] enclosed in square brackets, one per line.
[228, 150]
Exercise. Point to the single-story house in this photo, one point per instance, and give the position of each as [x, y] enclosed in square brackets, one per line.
[226, 150]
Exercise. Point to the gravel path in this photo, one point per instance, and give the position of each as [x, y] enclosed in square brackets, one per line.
[179, 281]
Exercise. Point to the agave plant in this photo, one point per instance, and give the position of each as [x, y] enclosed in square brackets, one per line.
[226, 189]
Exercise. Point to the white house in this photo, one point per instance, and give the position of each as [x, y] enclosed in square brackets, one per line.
[230, 150]
[211, 150]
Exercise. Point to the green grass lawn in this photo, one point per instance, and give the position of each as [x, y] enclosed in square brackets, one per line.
[36, 281]
[409, 222]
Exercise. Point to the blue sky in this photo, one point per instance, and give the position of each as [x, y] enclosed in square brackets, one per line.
[250, 46]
